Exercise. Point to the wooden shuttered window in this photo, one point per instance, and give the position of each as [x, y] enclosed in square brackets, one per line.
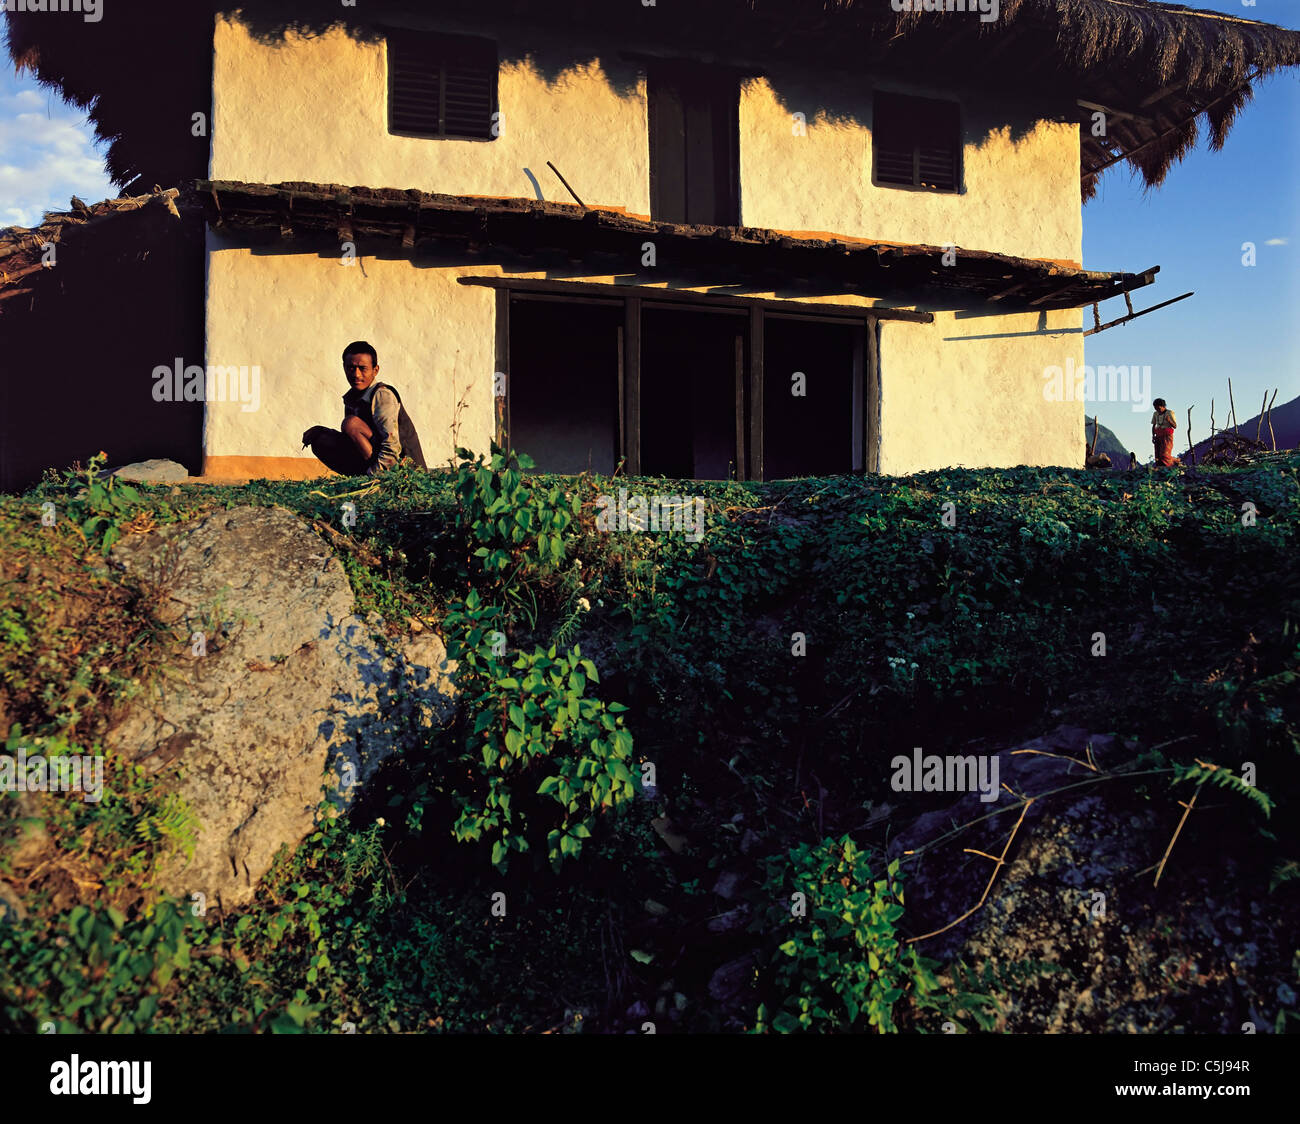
[916, 142]
[441, 85]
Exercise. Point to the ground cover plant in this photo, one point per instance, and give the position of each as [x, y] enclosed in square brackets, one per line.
[661, 739]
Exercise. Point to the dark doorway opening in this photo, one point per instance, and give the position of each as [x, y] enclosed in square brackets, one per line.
[565, 366]
[812, 401]
[694, 115]
[692, 375]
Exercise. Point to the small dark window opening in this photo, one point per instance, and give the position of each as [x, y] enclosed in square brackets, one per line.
[441, 85]
[694, 122]
[916, 142]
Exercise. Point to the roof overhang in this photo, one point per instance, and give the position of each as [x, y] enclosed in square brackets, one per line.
[614, 242]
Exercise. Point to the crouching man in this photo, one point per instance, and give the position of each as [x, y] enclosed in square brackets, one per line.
[377, 431]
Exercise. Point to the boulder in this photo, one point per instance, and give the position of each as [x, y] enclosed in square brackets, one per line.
[275, 679]
[155, 471]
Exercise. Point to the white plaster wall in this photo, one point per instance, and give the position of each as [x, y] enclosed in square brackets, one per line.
[970, 392]
[1021, 174]
[292, 314]
[315, 110]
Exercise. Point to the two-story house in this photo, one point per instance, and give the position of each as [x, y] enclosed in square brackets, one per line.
[726, 238]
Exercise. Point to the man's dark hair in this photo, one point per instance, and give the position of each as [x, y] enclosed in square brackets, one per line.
[1159, 403]
[360, 347]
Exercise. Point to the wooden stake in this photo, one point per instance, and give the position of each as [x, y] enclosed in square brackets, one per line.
[1096, 432]
[1189, 427]
[1232, 411]
[1259, 425]
[1271, 435]
[1188, 806]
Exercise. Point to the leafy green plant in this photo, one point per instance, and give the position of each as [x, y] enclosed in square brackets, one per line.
[510, 520]
[843, 967]
[534, 725]
[106, 504]
[96, 971]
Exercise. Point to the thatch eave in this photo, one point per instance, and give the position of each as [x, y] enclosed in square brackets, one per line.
[1168, 70]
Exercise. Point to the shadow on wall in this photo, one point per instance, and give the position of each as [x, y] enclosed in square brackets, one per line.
[838, 96]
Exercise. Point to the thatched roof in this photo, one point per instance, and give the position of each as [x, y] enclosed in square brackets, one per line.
[1161, 71]
[316, 215]
[23, 262]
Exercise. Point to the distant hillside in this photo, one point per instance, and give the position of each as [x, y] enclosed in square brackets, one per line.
[1285, 420]
[1107, 443]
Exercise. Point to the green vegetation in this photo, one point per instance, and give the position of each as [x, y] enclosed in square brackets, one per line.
[846, 968]
[767, 674]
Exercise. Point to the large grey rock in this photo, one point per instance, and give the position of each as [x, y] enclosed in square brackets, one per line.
[157, 470]
[278, 678]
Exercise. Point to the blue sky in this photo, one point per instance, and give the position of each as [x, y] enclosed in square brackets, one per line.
[1244, 322]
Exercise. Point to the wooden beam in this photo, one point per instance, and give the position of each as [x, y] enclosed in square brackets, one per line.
[756, 393]
[1174, 128]
[501, 404]
[632, 385]
[1073, 283]
[873, 396]
[702, 300]
[1135, 315]
[739, 464]
[1097, 107]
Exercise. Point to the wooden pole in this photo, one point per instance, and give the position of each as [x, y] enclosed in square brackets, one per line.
[1189, 427]
[1259, 425]
[1096, 432]
[1271, 435]
[1232, 412]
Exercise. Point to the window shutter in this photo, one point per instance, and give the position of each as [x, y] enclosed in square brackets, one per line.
[916, 142]
[441, 85]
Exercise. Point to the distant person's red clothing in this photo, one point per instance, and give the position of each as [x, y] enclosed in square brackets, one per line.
[1162, 436]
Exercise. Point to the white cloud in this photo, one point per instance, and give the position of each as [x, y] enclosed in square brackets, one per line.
[1277, 242]
[47, 155]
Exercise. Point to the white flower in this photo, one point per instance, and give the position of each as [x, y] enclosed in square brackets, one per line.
[380, 821]
[584, 604]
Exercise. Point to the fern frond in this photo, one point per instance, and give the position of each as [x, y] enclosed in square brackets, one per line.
[1203, 772]
[1284, 872]
[172, 821]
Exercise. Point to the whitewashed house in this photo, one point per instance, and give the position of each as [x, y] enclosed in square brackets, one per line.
[730, 238]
